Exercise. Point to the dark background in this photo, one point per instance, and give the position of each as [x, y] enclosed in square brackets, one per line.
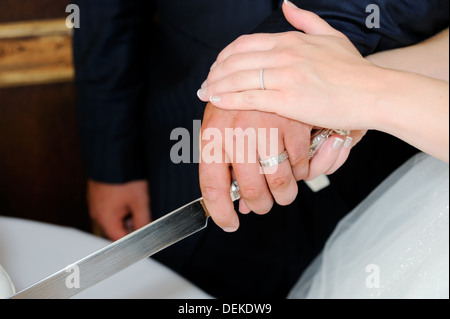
[41, 174]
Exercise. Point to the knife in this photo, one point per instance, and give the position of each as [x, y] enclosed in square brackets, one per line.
[124, 252]
[137, 245]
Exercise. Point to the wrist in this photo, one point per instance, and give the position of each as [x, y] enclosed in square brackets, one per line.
[371, 108]
[385, 111]
[414, 108]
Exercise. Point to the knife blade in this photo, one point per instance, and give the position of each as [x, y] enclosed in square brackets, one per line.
[139, 244]
[124, 252]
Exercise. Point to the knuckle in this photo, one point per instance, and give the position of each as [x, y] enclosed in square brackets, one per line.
[250, 98]
[280, 182]
[229, 63]
[250, 193]
[210, 192]
[241, 42]
[292, 36]
[287, 55]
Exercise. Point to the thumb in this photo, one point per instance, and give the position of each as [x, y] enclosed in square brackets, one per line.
[307, 21]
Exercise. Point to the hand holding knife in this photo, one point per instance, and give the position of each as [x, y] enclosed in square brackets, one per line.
[136, 246]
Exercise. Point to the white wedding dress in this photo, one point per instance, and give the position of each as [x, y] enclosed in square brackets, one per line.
[395, 244]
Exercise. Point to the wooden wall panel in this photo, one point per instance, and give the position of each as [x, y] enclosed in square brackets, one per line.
[35, 53]
[20, 10]
[41, 173]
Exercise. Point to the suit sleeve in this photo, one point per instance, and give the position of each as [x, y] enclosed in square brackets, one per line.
[402, 23]
[109, 65]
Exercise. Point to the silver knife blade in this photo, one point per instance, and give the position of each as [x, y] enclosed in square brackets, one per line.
[122, 253]
[138, 245]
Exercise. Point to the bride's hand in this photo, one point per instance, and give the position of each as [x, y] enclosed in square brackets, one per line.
[317, 78]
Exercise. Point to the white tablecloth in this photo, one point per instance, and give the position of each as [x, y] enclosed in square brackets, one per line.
[30, 251]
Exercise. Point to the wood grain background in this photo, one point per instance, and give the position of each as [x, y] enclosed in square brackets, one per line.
[22, 10]
[41, 173]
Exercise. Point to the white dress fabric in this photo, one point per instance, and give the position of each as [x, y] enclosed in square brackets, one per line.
[395, 244]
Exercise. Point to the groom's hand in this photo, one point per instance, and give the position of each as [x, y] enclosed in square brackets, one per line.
[115, 206]
[222, 161]
[258, 188]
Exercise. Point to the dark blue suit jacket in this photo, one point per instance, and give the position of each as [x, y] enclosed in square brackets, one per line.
[138, 66]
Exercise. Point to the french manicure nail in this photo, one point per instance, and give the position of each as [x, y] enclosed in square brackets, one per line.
[338, 143]
[215, 99]
[348, 142]
[204, 84]
[201, 94]
[213, 65]
[290, 4]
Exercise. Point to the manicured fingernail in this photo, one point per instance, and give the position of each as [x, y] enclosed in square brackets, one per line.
[338, 143]
[290, 4]
[201, 94]
[215, 99]
[213, 65]
[348, 142]
[204, 85]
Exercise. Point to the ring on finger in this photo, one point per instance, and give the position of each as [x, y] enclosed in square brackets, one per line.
[261, 79]
[273, 161]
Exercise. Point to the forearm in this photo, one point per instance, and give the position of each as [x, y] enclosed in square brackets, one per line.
[430, 58]
[401, 112]
[399, 109]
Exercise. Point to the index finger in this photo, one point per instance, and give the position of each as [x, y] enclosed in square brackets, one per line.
[215, 182]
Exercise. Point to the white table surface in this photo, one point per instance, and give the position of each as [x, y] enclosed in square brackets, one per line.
[30, 251]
